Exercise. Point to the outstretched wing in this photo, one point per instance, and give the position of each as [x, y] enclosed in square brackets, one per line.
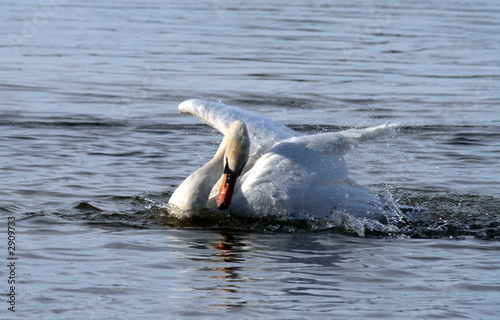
[320, 155]
[341, 141]
[264, 132]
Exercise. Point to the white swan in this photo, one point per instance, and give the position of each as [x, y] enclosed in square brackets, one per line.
[264, 169]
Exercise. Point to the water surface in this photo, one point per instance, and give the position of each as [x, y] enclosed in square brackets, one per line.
[92, 145]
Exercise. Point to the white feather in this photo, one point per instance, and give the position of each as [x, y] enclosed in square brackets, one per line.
[288, 175]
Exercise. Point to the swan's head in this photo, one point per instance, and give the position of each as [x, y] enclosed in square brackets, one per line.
[235, 158]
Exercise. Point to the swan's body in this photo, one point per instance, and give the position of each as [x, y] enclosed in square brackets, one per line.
[285, 174]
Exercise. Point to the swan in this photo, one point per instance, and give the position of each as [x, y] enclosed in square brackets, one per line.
[263, 169]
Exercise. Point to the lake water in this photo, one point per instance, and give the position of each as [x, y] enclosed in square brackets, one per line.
[92, 146]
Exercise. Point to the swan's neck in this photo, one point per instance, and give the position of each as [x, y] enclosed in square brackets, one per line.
[194, 191]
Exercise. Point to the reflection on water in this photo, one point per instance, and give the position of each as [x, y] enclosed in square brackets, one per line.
[229, 257]
[317, 274]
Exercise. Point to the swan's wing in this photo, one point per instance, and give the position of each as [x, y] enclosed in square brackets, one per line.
[341, 141]
[317, 160]
[221, 116]
[264, 132]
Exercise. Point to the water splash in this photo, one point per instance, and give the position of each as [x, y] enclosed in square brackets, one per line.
[411, 215]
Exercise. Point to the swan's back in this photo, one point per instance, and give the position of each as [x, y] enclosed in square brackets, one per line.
[307, 176]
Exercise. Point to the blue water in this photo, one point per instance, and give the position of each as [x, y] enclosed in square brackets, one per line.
[92, 145]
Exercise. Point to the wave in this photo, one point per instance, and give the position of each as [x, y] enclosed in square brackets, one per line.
[422, 215]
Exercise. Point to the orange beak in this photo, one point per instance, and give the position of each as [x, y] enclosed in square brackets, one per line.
[226, 190]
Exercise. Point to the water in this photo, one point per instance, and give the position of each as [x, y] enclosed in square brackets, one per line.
[92, 145]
